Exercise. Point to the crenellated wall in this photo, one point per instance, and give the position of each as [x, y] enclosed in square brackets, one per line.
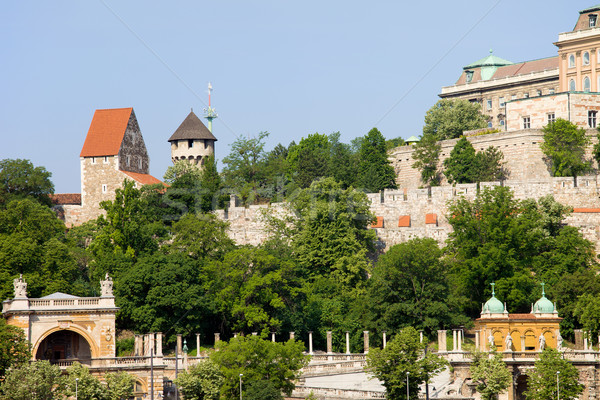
[411, 212]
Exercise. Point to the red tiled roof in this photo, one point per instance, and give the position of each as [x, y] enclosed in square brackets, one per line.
[522, 316]
[144, 179]
[65, 198]
[378, 224]
[106, 132]
[404, 221]
[430, 219]
[586, 210]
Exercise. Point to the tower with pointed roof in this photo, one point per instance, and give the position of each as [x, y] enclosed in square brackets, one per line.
[192, 141]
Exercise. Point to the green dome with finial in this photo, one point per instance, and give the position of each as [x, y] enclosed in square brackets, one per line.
[543, 305]
[493, 305]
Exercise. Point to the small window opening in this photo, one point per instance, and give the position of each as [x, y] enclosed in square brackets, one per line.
[593, 19]
[526, 122]
[190, 143]
[104, 188]
[592, 114]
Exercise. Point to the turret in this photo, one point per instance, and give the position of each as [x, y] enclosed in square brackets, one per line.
[192, 141]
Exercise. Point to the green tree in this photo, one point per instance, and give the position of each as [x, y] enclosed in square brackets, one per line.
[343, 162]
[263, 390]
[427, 156]
[461, 166]
[596, 150]
[393, 143]
[490, 373]
[181, 169]
[374, 170]
[202, 381]
[259, 360]
[587, 311]
[489, 165]
[409, 287]
[541, 384]
[201, 236]
[19, 179]
[38, 380]
[564, 147]
[448, 119]
[88, 386]
[119, 385]
[14, 348]
[310, 159]
[403, 356]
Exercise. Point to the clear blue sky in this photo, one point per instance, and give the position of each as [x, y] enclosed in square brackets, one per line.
[289, 68]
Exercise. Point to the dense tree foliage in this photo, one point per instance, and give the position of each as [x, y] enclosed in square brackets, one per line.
[39, 380]
[427, 157]
[375, 171]
[541, 382]
[14, 348]
[564, 147]
[202, 381]
[20, 179]
[258, 360]
[448, 119]
[402, 360]
[490, 373]
[466, 166]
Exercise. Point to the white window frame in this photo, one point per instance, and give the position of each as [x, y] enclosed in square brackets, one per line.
[592, 118]
[572, 87]
[104, 188]
[587, 84]
[527, 122]
[551, 118]
[501, 101]
[571, 60]
[489, 104]
[586, 58]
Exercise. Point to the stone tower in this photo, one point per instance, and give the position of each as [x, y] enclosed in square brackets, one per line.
[192, 141]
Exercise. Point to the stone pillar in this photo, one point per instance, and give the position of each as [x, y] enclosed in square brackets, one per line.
[420, 336]
[136, 345]
[197, 345]
[148, 344]
[460, 339]
[347, 342]
[217, 337]
[292, 335]
[454, 340]
[477, 341]
[442, 341]
[159, 349]
[578, 339]
[384, 340]
[329, 342]
[179, 345]
[585, 343]
[310, 347]
[273, 337]
[366, 341]
[522, 343]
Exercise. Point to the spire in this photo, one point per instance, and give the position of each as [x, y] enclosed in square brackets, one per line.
[209, 112]
[543, 289]
[493, 292]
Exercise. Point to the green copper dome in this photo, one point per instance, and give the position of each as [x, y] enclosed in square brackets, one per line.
[543, 305]
[493, 305]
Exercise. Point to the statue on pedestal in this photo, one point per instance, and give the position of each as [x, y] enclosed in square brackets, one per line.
[106, 287]
[542, 342]
[559, 342]
[20, 287]
[508, 342]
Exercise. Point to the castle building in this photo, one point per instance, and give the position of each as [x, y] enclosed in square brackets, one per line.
[192, 141]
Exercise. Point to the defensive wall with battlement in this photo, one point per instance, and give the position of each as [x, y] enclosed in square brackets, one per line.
[408, 213]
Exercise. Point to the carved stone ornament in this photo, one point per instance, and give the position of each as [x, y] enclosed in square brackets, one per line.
[106, 287]
[20, 287]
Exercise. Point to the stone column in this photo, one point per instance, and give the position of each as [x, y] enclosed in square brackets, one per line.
[347, 342]
[384, 340]
[329, 342]
[420, 336]
[159, 349]
[477, 341]
[136, 345]
[179, 345]
[460, 339]
[197, 345]
[148, 344]
[442, 341]
[217, 337]
[310, 347]
[454, 340]
[578, 339]
[585, 343]
[292, 335]
[273, 337]
[366, 341]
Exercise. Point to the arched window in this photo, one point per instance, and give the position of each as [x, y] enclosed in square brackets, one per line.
[572, 85]
[586, 58]
[571, 61]
[586, 84]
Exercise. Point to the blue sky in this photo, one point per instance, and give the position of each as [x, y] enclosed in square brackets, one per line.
[289, 68]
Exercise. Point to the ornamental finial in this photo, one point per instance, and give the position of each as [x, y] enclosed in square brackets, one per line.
[493, 291]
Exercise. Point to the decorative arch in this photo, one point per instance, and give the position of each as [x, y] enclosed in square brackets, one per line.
[93, 346]
[516, 339]
[572, 87]
[586, 84]
[530, 340]
[571, 61]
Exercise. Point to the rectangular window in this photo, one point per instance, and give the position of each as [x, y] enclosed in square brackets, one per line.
[128, 160]
[190, 143]
[105, 159]
[551, 91]
[93, 160]
[551, 118]
[538, 92]
[501, 101]
[104, 188]
[592, 118]
[489, 104]
[140, 163]
[526, 95]
[526, 123]
[593, 18]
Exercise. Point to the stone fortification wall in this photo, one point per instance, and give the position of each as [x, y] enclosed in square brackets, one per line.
[523, 158]
[409, 213]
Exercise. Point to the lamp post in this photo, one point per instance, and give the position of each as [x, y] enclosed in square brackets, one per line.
[76, 382]
[557, 386]
[407, 387]
[241, 386]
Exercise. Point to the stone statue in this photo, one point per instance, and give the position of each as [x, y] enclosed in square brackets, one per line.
[20, 287]
[508, 342]
[542, 342]
[106, 287]
[559, 342]
[491, 341]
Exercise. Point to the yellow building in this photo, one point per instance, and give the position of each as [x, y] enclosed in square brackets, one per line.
[518, 332]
